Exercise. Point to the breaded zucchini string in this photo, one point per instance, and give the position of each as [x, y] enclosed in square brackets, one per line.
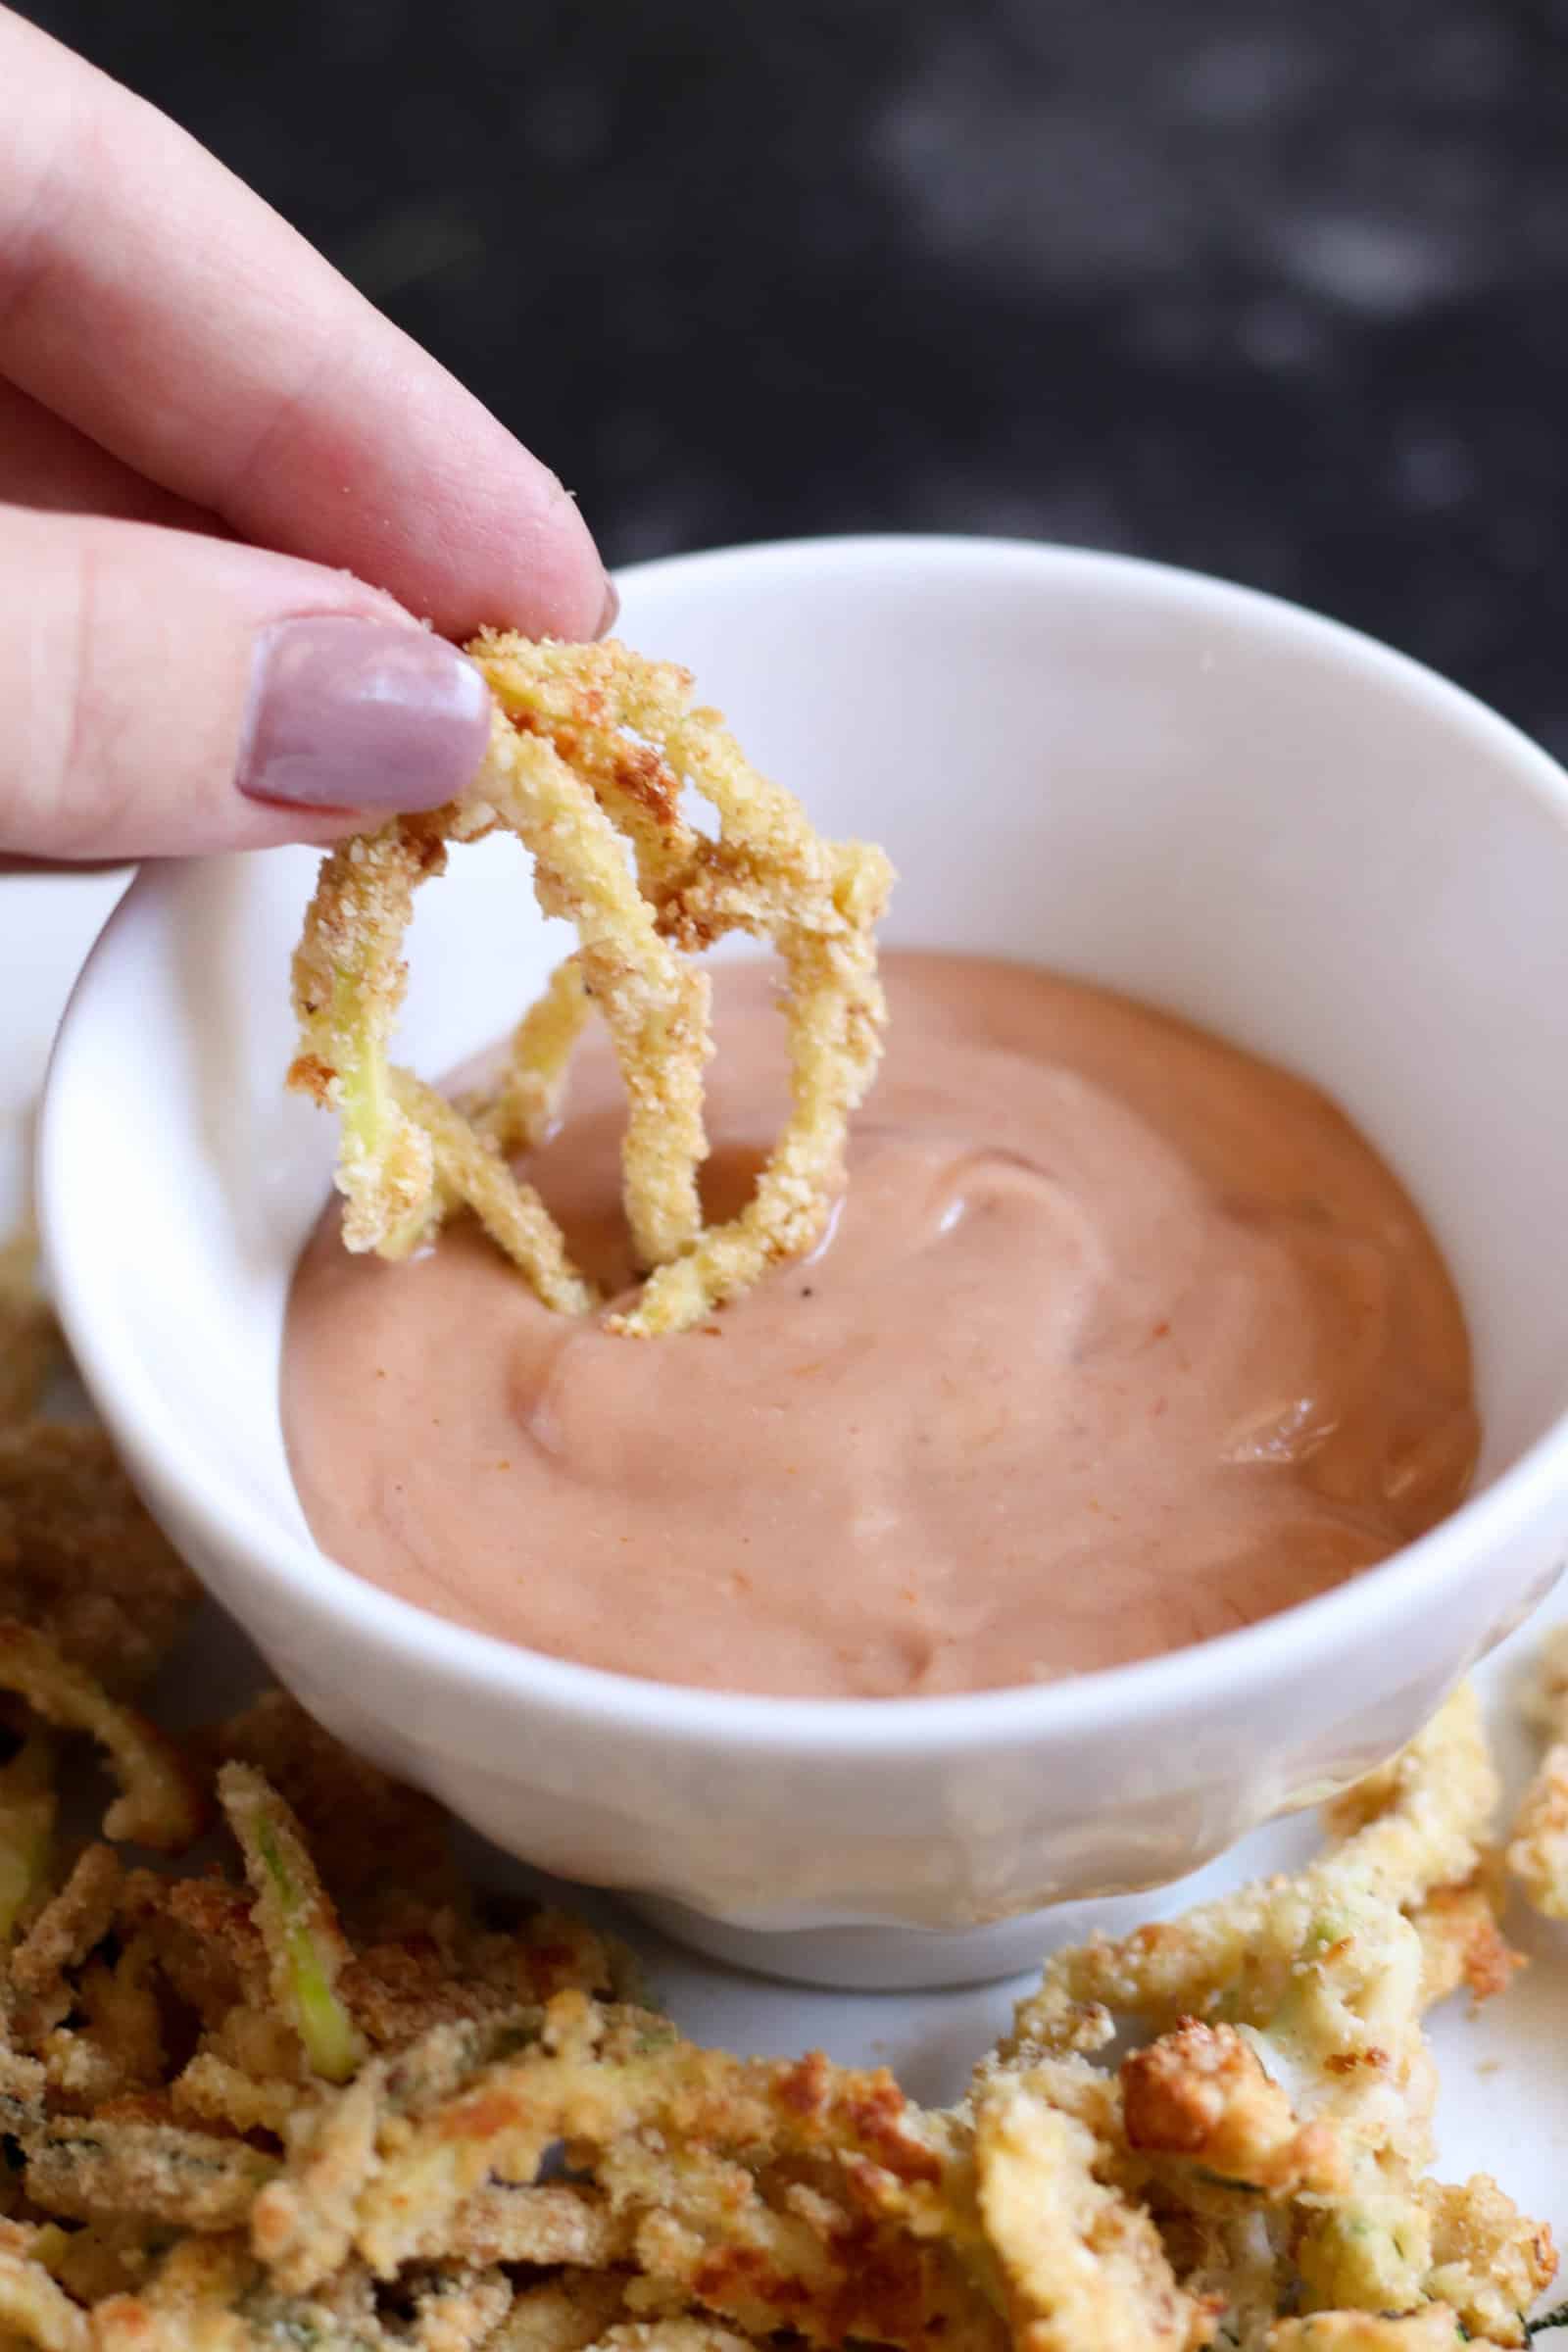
[299, 1928]
[590, 749]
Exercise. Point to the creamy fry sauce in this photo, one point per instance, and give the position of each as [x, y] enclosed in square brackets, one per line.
[1120, 1338]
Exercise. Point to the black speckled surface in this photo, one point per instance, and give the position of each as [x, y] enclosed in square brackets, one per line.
[1274, 288]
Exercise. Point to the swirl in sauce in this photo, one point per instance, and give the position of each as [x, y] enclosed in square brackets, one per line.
[1119, 1338]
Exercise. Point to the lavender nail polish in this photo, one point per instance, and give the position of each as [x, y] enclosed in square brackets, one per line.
[351, 714]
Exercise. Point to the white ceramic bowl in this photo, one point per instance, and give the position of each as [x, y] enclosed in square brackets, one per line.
[1242, 813]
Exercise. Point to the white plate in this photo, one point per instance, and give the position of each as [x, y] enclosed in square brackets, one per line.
[1504, 2107]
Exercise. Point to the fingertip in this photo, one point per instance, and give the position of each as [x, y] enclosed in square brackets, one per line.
[169, 694]
[349, 713]
[338, 440]
[490, 538]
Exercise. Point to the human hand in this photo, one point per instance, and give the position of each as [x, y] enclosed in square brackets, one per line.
[209, 444]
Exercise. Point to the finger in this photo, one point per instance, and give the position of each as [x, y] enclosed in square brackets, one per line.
[45, 462]
[150, 298]
[167, 694]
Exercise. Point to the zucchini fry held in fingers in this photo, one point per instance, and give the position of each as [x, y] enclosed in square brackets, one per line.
[590, 750]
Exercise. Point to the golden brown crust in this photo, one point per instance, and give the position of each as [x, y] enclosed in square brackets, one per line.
[1084, 2267]
[353, 1815]
[1191, 2197]
[1461, 1942]
[70, 1925]
[159, 1804]
[1201, 2093]
[591, 748]
[1280, 2128]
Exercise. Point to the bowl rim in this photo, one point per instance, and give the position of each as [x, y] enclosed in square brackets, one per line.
[1287, 1644]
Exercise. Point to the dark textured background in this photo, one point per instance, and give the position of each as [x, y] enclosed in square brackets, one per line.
[1277, 290]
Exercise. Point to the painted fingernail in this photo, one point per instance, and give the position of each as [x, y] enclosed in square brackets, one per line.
[611, 611]
[351, 714]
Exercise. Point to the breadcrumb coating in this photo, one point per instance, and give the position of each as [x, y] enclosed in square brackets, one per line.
[591, 749]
